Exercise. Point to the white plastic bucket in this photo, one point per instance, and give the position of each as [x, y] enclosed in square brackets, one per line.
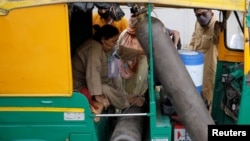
[194, 63]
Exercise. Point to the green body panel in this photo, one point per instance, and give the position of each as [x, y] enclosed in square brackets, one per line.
[45, 125]
[104, 128]
[160, 126]
[219, 94]
[245, 104]
[224, 71]
[248, 18]
[217, 113]
[244, 116]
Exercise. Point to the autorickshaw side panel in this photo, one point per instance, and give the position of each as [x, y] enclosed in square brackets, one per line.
[35, 52]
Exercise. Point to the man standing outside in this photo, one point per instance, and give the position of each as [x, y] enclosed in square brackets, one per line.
[205, 39]
[103, 16]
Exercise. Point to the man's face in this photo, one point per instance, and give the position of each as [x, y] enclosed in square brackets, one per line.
[203, 16]
[201, 12]
[104, 13]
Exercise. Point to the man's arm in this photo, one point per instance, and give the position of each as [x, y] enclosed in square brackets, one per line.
[176, 36]
[191, 44]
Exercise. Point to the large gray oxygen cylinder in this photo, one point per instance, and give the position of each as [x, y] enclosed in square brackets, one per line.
[129, 128]
[175, 79]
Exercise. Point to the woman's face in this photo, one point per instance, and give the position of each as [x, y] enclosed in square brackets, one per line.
[108, 44]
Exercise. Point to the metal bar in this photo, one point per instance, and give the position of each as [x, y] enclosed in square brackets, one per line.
[120, 115]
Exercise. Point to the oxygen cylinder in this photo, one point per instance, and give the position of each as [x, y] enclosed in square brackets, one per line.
[129, 128]
[174, 77]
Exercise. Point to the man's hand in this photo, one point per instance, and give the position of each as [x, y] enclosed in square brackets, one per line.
[219, 26]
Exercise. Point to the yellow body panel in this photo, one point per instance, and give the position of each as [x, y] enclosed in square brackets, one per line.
[246, 50]
[41, 109]
[34, 62]
[228, 55]
[240, 5]
[35, 52]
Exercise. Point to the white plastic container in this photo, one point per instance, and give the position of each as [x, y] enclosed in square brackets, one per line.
[194, 63]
